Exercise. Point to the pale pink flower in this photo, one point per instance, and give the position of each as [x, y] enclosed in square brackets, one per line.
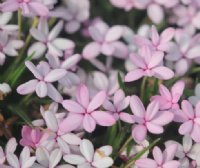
[49, 40]
[47, 158]
[28, 7]
[185, 48]
[160, 159]
[186, 17]
[9, 148]
[74, 13]
[42, 84]
[85, 112]
[25, 160]
[98, 158]
[105, 39]
[186, 151]
[101, 81]
[168, 100]
[120, 102]
[8, 47]
[32, 137]
[70, 79]
[151, 119]
[59, 137]
[149, 63]
[158, 42]
[190, 119]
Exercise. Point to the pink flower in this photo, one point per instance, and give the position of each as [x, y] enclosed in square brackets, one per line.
[98, 158]
[42, 84]
[105, 39]
[190, 119]
[161, 160]
[157, 42]
[74, 13]
[181, 52]
[28, 7]
[49, 40]
[169, 100]
[85, 112]
[151, 119]
[149, 63]
[32, 137]
[120, 102]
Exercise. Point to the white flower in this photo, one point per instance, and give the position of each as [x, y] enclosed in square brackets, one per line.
[194, 99]
[186, 151]
[49, 40]
[5, 88]
[98, 159]
[47, 159]
[8, 46]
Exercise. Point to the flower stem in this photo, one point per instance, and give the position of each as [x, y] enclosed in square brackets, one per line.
[125, 145]
[19, 19]
[143, 88]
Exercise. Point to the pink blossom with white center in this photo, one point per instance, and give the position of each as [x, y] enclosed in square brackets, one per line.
[148, 63]
[151, 119]
[42, 84]
[49, 40]
[8, 47]
[186, 151]
[70, 79]
[91, 159]
[28, 7]
[105, 39]
[47, 158]
[32, 137]
[120, 102]
[190, 119]
[74, 13]
[157, 42]
[9, 29]
[85, 112]
[185, 48]
[168, 100]
[160, 159]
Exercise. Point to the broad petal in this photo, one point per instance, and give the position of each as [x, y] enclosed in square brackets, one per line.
[34, 70]
[91, 50]
[73, 106]
[89, 123]
[82, 96]
[134, 75]
[155, 13]
[63, 44]
[172, 163]
[137, 106]
[55, 75]
[139, 133]
[154, 35]
[97, 101]
[153, 128]
[157, 154]
[28, 87]
[126, 118]
[103, 118]
[51, 121]
[170, 152]
[41, 89]
[37, 49]
[146, 163]
[177, 90]
[186, 127]
[163, 73]
[72, 122]
[74, 159]
[152, 110]
[163, 118]
[103, 162]
[55, 31]
[87, 149]
[39, 8]
[114, 33]
[53, 93]
[187, 109]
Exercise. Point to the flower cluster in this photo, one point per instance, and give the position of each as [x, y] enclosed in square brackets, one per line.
[90, 90]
